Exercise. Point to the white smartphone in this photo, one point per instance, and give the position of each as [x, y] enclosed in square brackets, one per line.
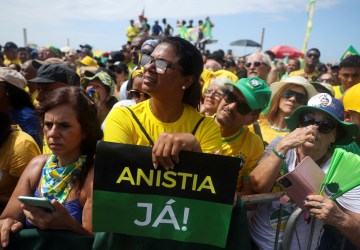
[42, 202]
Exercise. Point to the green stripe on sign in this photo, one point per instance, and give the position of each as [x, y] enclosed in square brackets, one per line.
[161, 217]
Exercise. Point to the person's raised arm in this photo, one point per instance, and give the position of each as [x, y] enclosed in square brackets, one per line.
[264, 175]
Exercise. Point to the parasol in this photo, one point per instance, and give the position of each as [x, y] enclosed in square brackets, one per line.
[282, 51]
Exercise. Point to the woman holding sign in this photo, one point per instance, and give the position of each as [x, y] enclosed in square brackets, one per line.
[169, 121]
[64, 177]
[316, 130]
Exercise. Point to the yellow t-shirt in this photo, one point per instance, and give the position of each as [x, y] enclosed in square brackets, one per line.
[121, 127]
[131, 32]
[7, 62]
[338, 91]
[15, 153]
[301, 72]
[247, 146]
[268, 133]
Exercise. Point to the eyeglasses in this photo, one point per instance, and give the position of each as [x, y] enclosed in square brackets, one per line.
[324, 127]
[324, 80]
[256, 64]
[160, 65]
[218, 94]
[299, 97]
[241, 106]
[316, 56]
[134, 93]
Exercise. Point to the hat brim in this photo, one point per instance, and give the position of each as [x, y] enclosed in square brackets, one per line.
[318, 85]
[41, 80]
[276, 86]
[349, 130]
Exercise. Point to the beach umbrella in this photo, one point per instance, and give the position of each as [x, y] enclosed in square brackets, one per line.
[282, 51]
[245, 43]
[343, 174]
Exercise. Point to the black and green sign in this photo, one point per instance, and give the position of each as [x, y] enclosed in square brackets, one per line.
[192, 202]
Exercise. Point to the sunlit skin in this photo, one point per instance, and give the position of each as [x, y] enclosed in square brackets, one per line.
[349, 77]
[261, 71]
[287, 106]
[137, 85]
[212, 101]
[230, 119]
[63, 133]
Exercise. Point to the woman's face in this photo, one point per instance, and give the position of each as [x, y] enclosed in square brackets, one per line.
[63, 132]
[99, 87]
[290, 99]
[212, 98]
[169, 83]
[326, 129]
[137, 85]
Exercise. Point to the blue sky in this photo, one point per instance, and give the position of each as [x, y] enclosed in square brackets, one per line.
[102, 24]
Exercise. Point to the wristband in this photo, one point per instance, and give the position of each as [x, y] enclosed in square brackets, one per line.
[279, 154]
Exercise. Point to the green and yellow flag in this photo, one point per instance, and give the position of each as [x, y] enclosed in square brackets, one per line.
[349, 52]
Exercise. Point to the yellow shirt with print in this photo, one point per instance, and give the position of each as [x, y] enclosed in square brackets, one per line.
[122, 128]
[246, 145]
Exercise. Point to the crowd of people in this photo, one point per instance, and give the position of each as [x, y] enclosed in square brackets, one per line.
[163, 92]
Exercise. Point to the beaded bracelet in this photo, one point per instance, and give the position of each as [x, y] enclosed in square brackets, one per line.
[279, 154]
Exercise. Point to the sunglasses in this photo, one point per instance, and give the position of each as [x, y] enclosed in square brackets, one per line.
[241, 106]
[218, 94]
[160, 64]
[299, 97]
[134, 93]
[316, 56]
[324, 127]
[256, 64]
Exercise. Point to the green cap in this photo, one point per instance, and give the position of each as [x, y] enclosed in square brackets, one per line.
[105, 78]
[255, 90]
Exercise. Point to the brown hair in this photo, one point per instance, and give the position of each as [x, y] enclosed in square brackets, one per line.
[86, 112]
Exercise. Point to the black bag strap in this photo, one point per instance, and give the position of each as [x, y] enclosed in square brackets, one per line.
[197, 125]
[147, 135]
[141, 127]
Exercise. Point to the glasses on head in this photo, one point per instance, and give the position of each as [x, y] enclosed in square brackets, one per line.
[241, 106]
[256, 64]
[299, 97]
[134, 93]
[160, 64]
[218, 94]
[316, 56]
[324, 126]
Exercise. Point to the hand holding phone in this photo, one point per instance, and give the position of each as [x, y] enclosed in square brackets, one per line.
[42, 202]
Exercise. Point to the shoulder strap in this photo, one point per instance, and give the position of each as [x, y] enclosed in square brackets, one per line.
[197, 125]
[141, 126]
[257, 131]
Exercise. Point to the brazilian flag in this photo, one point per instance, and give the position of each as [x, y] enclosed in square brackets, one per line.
[349, 52]
[191, 203]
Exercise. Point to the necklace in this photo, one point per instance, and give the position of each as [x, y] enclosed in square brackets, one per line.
[278, 129]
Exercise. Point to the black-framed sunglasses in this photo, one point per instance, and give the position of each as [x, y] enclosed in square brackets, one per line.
[324, 126]
[256, 64]
[160, 64]
[316, 56]
[299, 97]
[241, 106]
[134, 93]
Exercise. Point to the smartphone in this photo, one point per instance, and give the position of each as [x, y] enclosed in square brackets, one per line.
[305, 180]
[42, 202]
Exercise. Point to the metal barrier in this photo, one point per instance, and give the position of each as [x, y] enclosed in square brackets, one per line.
[291, 223]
